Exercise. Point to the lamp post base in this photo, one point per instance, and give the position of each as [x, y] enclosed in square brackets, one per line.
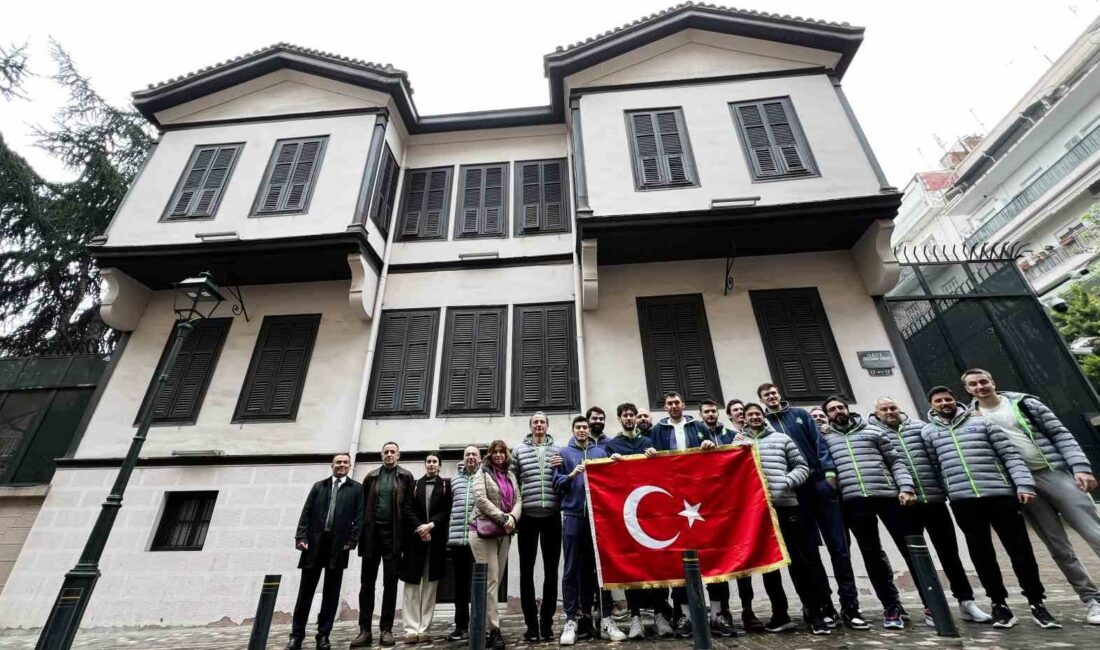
[68, 609]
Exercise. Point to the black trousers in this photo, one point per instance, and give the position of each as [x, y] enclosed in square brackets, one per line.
[655, 598]
[806, 571]
[978, 518]
[462, 560]
[330, 594]
[935, 519]
[533, 532]
[718, 592]
[381, 552]
[861, 517]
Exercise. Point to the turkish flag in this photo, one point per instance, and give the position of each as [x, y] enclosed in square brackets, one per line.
[645, 511]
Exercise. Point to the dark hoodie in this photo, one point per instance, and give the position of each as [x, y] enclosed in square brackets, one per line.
[572, 490]
[627, 445]
[663, 434]
[797, 423]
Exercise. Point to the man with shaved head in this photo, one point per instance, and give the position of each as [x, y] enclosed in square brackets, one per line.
[930, 512]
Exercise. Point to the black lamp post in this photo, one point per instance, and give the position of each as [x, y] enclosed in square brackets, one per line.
[195, 299]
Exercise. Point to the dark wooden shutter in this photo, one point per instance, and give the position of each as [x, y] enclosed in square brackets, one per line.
[185, 521]
[661, 157]
[403, 362]
[473, 361]
[482, 210]
[772, 138]
[291, 174]
[277, 373]
[677, 349]
[540, 197]
[181, 397]
[200, 189]
[802, 354]
[426, 204]
[544, 359]
[386, 192]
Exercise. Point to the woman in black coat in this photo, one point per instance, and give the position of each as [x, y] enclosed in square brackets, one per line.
[424, 557]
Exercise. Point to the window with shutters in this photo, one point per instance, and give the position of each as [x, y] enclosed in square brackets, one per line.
[661, 151]
[544, 359]
[472, 380]
[273, 386]
[401, 376]
[773, 139]
[798, 342]
[180, 398]
[677, 350]
[426, 205]
[541, 197]
[483, 204]
[185, 521]
[386, 191]
[199, 190]
[290, 177]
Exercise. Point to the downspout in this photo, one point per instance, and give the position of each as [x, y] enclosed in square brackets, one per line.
[582, 378]
[575, 146]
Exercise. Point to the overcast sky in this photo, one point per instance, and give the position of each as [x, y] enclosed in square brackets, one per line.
[936, 68]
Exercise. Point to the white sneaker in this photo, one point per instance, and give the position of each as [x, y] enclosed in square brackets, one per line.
[611, 631]
[569, 634]
[637, 630]
[664, 628]
[969, 611]
[1092, 617]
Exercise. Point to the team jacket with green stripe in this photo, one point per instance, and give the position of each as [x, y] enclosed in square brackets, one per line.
[1054, 440]
[907, 440]
[536, 486]
[866, 463]
[974, 458]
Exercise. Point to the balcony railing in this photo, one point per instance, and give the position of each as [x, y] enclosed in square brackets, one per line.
[1038, 187]
[1083, 242]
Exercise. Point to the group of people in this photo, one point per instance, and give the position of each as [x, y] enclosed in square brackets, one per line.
[832, 475]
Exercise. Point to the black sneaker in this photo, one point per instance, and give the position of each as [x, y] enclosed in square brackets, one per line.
[458, 635]
[546, 631]
[904, 614]
[584, 628]
[780, 623]
[749, 620]
[683, 628]
[891, 618]
[495, 641]
[818, 626]
[722, 625]
[1003, 618]
[1042, 617]
[829, 614]
[531, 635]
[853, 618]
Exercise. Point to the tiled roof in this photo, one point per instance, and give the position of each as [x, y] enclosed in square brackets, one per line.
[732, 11]
[935, 181]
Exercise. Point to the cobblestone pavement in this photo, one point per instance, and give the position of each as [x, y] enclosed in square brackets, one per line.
[1061, 600]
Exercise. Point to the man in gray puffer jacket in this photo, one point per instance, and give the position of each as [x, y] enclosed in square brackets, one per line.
[971, 456]
[541, 520]
[458, 539]
[1063, 478]
[874, 485]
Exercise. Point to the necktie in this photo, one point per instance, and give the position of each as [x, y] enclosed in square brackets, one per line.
[331, 506]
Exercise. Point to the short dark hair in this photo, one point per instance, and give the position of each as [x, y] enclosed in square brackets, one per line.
[936, 390]
[579, 418]
[707, 402]
[433, 454]
[593, 409]
[387, 444]
[672, 393]
[342, 453]
[833, 398]
[975, 371]
[763, 387]
[624, 407]
[753, 405]
[730, 404]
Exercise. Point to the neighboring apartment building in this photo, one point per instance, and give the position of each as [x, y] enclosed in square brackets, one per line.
[696, 209]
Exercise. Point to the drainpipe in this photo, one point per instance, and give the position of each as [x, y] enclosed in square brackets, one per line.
[582, 378]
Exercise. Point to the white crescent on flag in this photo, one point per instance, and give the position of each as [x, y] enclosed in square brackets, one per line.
[630, 518]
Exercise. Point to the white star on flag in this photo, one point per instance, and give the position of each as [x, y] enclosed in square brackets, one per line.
[691, 513]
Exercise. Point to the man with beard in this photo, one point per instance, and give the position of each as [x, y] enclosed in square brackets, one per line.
[596, 421]
[930, 512]
[874, 485]
[968, 452]
[458, 539]
[1063, 478]
[818, 496]
[644, 421]
[735, 411]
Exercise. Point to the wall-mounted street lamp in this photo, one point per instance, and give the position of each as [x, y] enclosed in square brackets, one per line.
[194, 299]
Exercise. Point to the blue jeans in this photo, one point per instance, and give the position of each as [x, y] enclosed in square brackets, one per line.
[820, 504]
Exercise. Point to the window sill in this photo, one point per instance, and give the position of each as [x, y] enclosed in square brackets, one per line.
[788, 177]
[23, 491]
[661, 188]
[288, 213]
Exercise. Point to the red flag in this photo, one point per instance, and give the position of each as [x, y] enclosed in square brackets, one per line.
[645, 511]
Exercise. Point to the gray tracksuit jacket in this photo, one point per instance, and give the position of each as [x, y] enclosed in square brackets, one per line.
[462, 504]
[784, 467]
[1060, 449]
[973, 457]
[907, 440]
[532, 466]
[867, 464]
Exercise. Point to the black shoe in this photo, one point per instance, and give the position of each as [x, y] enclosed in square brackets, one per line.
[1003, 618]
[780, 623]
[1042, 617]
[853, 618]
[891, 618]
[458, 635]
[363, 640]
[584, 628]
[818, 626]
[830, 615]
[386, 638]
[722, 625]
[294, 643]
[683, 628]
[751, 623]
[532, 635]
[322, 643]
[904, 614]
[496, 641]
[546, 630]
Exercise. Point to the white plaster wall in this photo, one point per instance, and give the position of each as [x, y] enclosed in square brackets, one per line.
[613, 342]
[720, 163]
[331, 207]
[325, 416]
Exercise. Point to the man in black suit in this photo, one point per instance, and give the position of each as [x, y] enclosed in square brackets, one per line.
[328, 528]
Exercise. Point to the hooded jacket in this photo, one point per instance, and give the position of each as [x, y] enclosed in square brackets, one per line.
[907, 440]
[532, 467]
[867, 465]
[572, 490]
[1057, 444]
[797, 423]
[784, 467]
[462, 504]
[973, 457]
[663, 434]
[628, 445]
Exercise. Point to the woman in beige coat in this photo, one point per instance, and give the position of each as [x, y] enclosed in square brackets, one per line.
[498, 505]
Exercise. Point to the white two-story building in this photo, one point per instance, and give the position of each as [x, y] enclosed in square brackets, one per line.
[695, 209]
